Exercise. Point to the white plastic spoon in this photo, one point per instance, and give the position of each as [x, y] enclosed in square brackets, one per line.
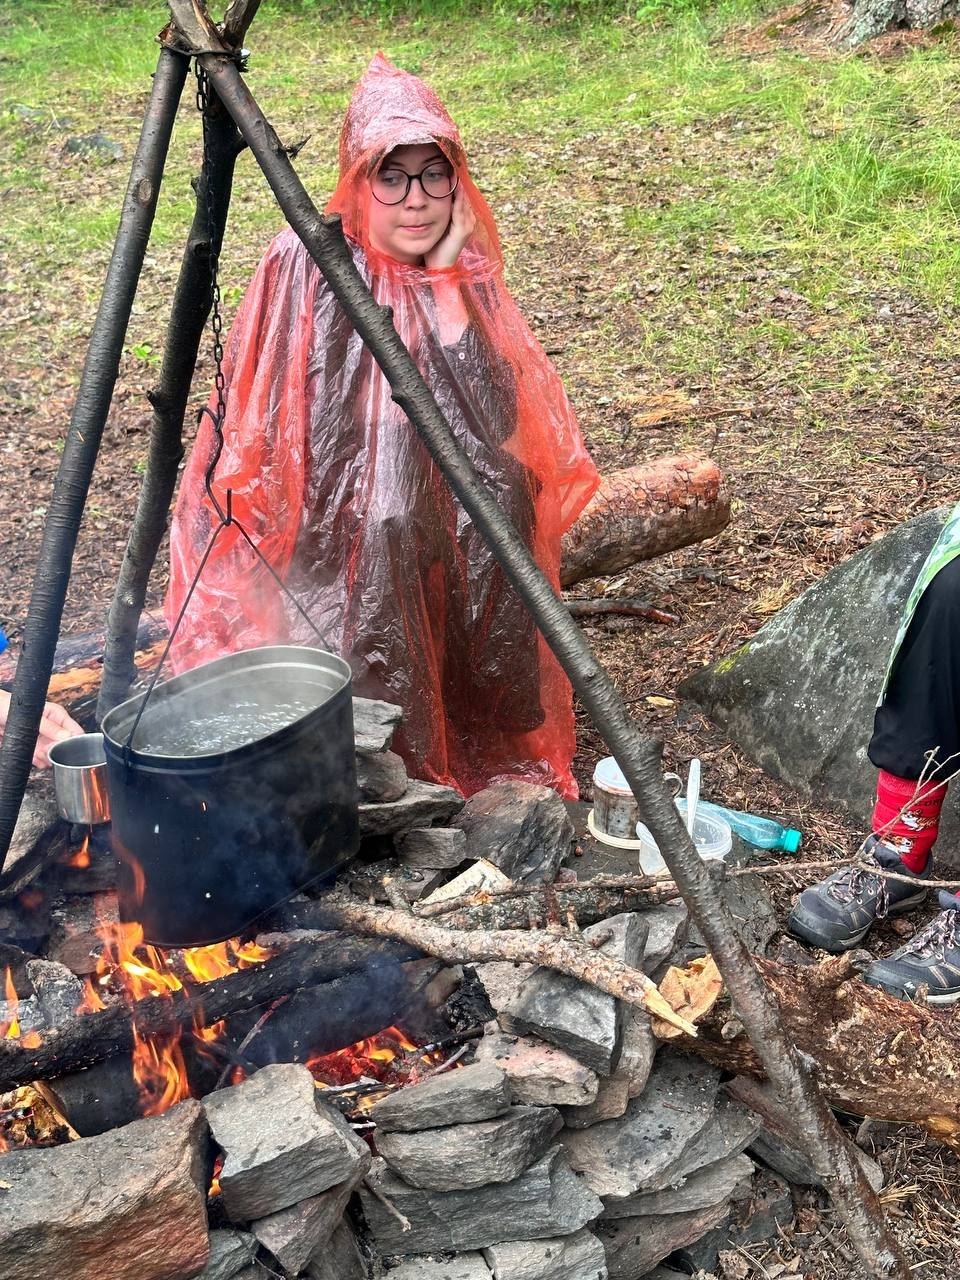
[693, 794]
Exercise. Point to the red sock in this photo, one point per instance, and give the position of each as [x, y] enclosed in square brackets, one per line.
[907, 817]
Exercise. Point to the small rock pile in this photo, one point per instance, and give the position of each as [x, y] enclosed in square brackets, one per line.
[573, 1149]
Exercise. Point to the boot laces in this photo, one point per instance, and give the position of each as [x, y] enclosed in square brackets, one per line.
[854, 883]
[935, 938]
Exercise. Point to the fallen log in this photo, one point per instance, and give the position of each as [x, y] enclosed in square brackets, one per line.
[872, 1054]
[93, 1037]
[645, 511]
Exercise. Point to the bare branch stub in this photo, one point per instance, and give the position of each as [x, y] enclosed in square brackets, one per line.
[192, 22]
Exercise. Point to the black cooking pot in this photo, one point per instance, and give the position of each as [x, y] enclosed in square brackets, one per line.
[238, 789]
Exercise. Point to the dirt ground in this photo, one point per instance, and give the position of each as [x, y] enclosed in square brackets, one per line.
[816, 471]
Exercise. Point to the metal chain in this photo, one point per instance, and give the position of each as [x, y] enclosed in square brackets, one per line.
[217, 415]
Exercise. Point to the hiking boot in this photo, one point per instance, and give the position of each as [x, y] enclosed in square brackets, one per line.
[930, 960]
[836, 914]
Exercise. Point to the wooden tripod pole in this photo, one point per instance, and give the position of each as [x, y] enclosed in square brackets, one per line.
[82, 445]
[639, 758]
[188, 316]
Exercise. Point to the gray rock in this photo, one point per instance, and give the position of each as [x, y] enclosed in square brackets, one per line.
[539, 1074]
[38, 821]
[374, 722]
[279, 1144]
[59, 992]
[471, 1155]
[415, 884]
[503, 981]
[634, 1245]
[381, 776]
[619, 1157]
[465, 1266]
[423, 804]
[611, 1102]
[728, 1132]
[297, 1234]
[435, 848]
[638, 1048]
[340, 1259]
[547, 1200]
[86, 144]
[575, 1017]
[750, 905]
[777, 695]
[230, 1253]
[523, 829]
[576, 1257]
[711, 1185]
[702, 1254]
[478, 1092]
[666, 933]
[766, 1208]
[130, 1204]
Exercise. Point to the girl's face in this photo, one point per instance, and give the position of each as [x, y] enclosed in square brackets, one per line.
[411, 228]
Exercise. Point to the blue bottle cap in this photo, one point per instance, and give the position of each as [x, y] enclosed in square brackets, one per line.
[791, 840]
[4, 642]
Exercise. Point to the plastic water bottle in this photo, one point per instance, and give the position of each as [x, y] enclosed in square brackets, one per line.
[762, 833]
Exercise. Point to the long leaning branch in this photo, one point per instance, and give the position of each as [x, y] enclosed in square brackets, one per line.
[639, 758]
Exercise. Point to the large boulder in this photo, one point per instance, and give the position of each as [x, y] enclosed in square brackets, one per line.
[799, 696]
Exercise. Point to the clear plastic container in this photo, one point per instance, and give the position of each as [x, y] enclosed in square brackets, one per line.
[711, 835]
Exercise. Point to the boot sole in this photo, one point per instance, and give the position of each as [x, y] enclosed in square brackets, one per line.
[810, 928]
[938, 998]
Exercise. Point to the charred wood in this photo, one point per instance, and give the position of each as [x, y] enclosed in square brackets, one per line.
[94, 1037]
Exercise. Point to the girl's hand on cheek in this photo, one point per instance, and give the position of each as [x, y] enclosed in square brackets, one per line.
[463, 223]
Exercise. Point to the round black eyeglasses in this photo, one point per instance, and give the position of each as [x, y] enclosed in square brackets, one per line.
[390, 186]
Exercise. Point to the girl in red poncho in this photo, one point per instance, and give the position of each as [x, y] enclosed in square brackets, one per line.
[332, 482]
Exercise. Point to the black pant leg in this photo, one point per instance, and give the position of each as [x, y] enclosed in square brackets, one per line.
[920, 711]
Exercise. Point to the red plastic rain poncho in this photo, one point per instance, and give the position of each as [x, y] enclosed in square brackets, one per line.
[332, 482]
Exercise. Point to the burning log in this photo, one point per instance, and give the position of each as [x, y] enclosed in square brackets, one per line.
[94, 1037]
[645, 511]
[873, 1055]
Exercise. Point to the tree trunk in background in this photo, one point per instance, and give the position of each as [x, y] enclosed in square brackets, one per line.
[869, 18]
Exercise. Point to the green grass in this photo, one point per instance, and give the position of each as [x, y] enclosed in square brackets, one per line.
[829, 172]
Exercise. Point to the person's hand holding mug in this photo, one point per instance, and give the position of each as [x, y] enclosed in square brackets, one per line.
[54, 727]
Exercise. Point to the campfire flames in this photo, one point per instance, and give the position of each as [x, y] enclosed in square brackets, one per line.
[134, 970]
[129, 969]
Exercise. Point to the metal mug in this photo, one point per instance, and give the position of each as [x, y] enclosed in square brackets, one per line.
[80, 779]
